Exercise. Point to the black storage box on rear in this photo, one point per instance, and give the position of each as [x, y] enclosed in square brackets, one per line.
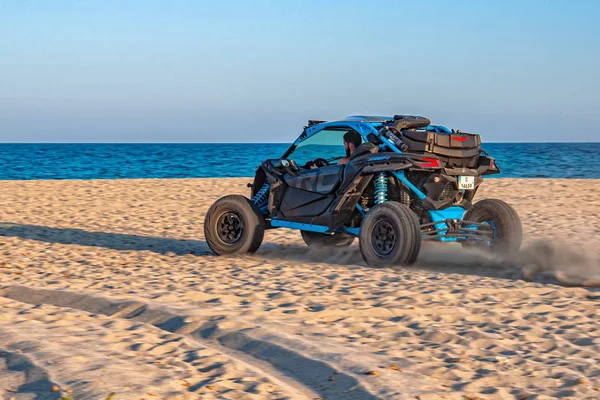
[455, 150]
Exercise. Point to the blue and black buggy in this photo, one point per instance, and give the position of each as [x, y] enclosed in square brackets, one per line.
[408, 181]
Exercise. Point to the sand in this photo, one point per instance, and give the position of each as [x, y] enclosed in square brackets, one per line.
[108, 287]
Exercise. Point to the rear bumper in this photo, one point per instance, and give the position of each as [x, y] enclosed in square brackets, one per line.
[448, 225]
[453, 230]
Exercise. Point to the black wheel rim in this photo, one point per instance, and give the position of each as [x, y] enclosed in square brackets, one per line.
[383, 238]
[230, 227]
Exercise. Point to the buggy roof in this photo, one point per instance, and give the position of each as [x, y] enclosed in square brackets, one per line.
[363, 124]
[372, 119]
[367, 118]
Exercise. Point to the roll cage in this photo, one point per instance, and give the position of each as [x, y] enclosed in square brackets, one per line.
[365, 126]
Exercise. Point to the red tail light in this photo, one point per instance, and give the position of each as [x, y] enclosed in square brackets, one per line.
[430, 163]
[459, 138]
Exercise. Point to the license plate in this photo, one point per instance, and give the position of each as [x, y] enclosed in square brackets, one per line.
[466, 182]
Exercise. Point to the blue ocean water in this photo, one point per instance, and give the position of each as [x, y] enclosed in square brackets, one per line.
[112, 161]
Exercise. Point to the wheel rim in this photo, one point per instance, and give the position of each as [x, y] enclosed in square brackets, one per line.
[230, 227]
[383, 238]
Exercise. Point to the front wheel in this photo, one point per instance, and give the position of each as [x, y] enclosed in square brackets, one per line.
[338, 239]
[505, 224]
[389, 235]
[234, 225]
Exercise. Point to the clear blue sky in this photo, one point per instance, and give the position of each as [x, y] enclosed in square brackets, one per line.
[246, 71]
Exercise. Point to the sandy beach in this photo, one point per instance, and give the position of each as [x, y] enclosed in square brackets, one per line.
[109, 287]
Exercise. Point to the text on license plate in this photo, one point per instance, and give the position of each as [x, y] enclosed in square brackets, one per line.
[466, 182]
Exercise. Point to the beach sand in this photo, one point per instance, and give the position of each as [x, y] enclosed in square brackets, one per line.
[109, 287]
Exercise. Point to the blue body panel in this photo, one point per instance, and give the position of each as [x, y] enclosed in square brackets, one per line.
[439, 216]
[311, 228]
[297, 225]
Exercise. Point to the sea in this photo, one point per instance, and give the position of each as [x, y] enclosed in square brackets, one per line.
[131, 161]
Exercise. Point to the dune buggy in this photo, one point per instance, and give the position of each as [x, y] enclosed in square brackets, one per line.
[408, 181]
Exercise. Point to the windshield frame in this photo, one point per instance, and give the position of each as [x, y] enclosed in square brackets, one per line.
[362, 128]
[298, 143]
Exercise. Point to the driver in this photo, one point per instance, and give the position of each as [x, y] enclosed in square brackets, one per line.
[351, 141]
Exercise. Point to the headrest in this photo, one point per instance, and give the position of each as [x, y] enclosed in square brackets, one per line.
[364, 148]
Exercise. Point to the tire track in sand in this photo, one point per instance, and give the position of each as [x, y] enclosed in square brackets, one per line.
[20, 377]
[279, 359]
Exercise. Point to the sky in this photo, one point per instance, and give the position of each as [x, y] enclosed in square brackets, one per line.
[256, 71]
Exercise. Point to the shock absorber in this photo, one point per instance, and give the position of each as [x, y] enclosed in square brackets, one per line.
[381, 188]
[261, 198]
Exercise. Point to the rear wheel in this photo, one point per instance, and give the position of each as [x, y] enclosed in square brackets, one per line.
[234, 225]
[390, 235]
[338, 239]
[504, 221]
